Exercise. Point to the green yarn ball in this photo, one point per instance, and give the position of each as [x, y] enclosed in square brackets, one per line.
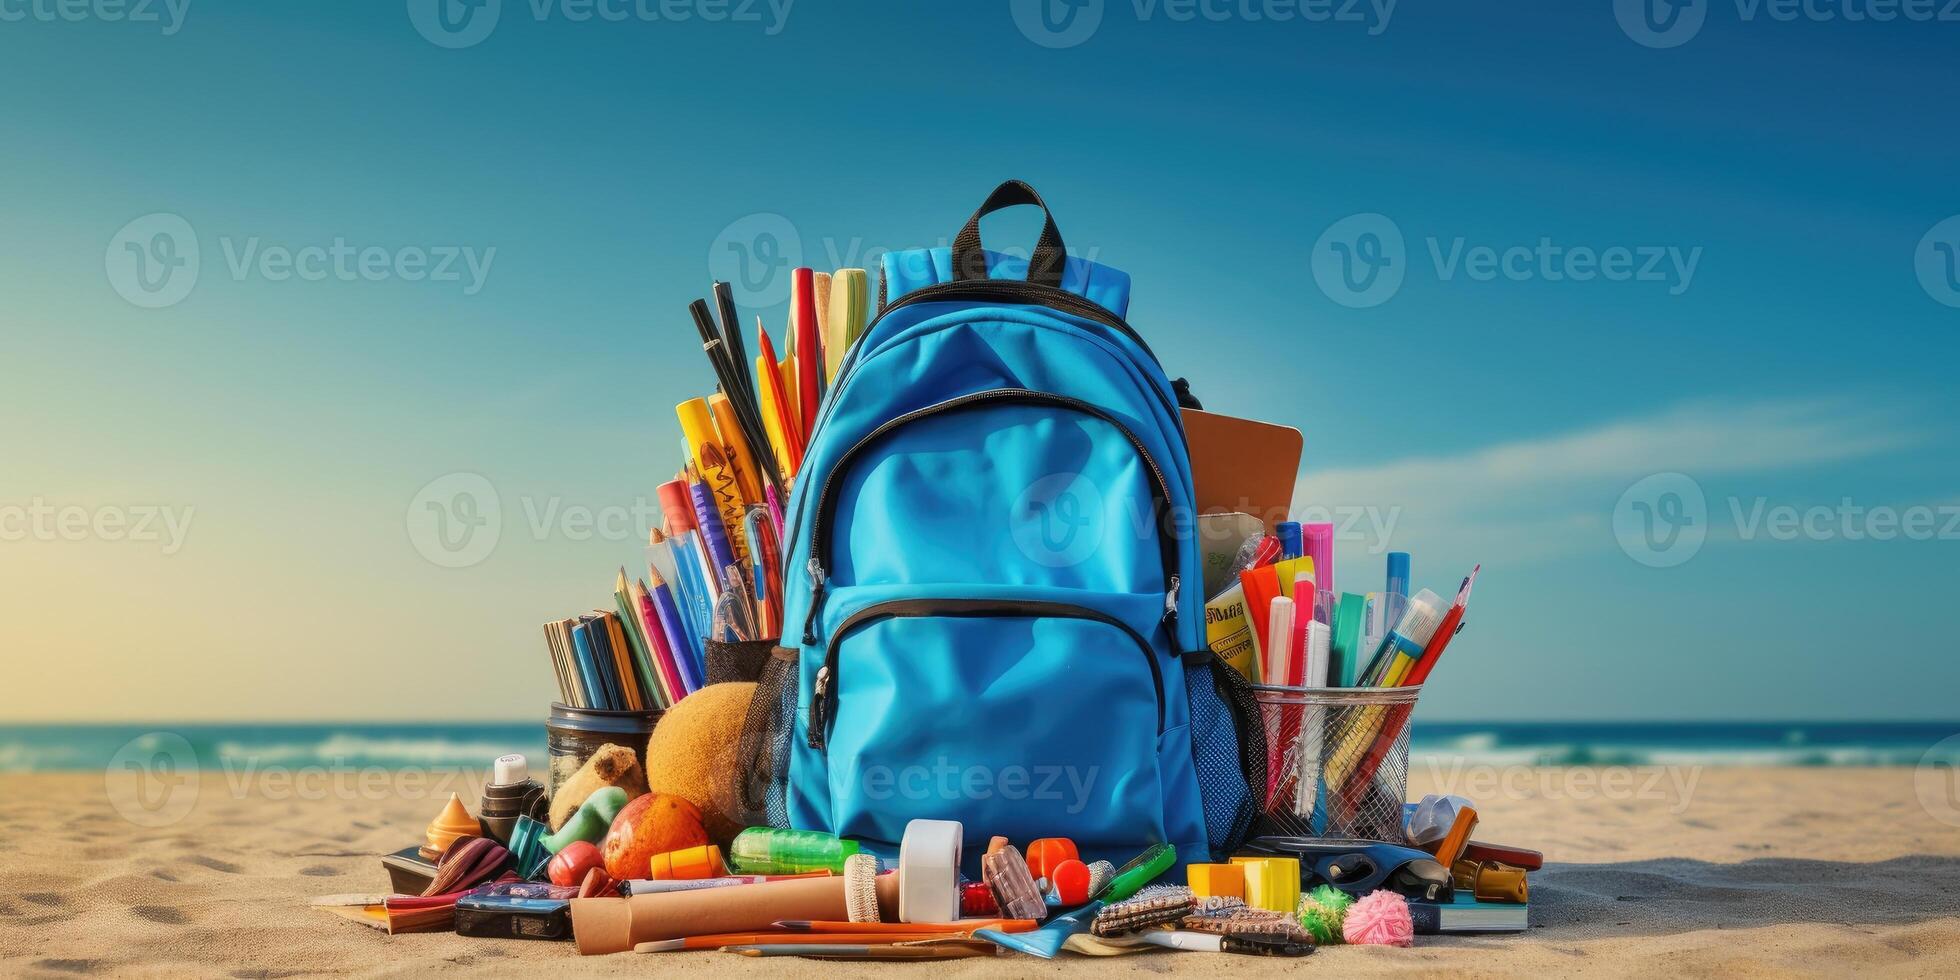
[1321, 913]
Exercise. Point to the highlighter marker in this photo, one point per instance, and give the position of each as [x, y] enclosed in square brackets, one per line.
[1395, 598]
[1319, 545]
[1289, 539]
[1403, 646]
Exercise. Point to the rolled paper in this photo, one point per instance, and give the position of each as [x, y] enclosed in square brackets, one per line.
[615, 925]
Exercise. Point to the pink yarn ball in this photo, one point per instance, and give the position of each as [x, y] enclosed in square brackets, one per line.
[1379, 919]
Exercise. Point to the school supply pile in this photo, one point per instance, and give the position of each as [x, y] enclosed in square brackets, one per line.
[927, 542]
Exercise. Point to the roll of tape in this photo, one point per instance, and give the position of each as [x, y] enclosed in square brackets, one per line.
[929, 871]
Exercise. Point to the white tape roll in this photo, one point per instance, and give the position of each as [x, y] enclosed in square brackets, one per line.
[929, 871]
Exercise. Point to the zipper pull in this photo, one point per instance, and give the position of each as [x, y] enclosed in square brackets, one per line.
[1170, 601]
[817, 711]
[817, 577]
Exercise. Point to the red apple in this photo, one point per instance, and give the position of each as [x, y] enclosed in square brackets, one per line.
[652, 824]
[569, 866]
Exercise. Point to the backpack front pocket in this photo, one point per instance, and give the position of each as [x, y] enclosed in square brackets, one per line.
[1019, 717]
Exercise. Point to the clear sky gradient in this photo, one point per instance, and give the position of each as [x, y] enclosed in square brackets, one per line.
[1790, 348]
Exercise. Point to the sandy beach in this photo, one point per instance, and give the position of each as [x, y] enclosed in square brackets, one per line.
[1718, 871]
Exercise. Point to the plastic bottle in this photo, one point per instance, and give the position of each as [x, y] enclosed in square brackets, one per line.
[773, 851]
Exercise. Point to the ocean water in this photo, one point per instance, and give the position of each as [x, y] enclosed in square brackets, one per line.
[58, 748]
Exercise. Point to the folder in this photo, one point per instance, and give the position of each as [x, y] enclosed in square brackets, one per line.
[1242, 465]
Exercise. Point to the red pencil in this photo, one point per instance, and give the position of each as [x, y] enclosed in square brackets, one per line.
[1440, 640]
[809, 350]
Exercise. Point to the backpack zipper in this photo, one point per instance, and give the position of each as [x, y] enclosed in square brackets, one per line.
[1017, 291]
[1011, 290]
[820, 525]
[821, 706]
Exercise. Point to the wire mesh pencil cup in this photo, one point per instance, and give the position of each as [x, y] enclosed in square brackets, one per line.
[1337, 761]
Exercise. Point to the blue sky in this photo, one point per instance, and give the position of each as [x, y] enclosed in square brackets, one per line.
[1781, 350]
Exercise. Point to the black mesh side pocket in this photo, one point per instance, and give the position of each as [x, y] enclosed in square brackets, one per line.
[737, 660]
[764, 750]
[1236, 692]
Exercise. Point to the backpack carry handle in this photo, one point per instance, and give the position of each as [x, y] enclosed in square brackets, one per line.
[1044, 266]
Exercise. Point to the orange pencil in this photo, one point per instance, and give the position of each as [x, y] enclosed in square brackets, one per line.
[904, 928]
[720, 939]
[792, 434]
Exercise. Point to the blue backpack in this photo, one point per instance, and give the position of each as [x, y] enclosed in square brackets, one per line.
[992, 600]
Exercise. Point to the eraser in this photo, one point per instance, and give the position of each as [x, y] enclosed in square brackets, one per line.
[1046, 853]
[1070, 880]
[1216, 880]
[1271, 882]
[688, 864]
